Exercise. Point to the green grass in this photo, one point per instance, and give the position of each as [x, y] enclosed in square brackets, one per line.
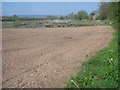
[81, 23]
[99, 71]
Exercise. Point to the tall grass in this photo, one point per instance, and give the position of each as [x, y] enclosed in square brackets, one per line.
[101, 70]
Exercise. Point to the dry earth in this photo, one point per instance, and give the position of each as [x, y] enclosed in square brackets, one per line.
[47, 58]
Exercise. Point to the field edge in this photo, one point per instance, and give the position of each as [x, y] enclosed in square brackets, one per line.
[101, 70]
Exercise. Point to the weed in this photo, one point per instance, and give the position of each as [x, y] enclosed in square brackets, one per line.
[101, 70]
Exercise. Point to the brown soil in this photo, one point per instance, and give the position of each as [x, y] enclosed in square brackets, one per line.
[47, 58]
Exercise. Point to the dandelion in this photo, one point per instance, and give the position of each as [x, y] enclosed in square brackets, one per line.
[111, 59]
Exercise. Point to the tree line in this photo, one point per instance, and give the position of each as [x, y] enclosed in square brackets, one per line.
[106, 11]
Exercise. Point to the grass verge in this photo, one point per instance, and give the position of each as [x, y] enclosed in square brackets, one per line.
[101, 70]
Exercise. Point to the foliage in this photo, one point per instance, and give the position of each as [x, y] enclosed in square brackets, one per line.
[6, 18]
[75, 17]
[101, 70]
[62, 17]
[108, 11]
[51, 17]
[16, 23]
[99, 17]
[91, 15]
[67, 17]
[103, 9]
[113, 11]
[81, 15]
[15, 16]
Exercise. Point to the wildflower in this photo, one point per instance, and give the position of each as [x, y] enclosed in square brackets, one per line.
[111, 59]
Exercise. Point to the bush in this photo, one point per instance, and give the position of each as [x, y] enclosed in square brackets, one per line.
[61, 17]
[52, 17]
[99, 17]
[16, 23]
[81, 15]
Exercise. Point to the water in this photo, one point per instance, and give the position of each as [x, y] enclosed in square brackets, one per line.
[42, 27]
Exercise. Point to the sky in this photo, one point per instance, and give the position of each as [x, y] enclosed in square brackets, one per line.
[46, 8]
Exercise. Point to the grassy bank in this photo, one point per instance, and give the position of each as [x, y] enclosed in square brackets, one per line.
[101, 70]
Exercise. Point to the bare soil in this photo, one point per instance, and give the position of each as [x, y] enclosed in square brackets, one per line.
[47, 58]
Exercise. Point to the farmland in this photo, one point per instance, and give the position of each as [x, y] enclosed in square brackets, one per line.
[48, 57]
[56, 23]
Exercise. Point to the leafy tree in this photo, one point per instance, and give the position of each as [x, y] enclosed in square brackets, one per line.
[91, 15]
[15, 16]
[61, 17]
[113, 11]
[82, 15]
[103, 9]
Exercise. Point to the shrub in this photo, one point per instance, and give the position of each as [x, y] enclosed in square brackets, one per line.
[16, 23]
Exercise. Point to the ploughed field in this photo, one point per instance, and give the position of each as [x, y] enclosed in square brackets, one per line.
[46, 58]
